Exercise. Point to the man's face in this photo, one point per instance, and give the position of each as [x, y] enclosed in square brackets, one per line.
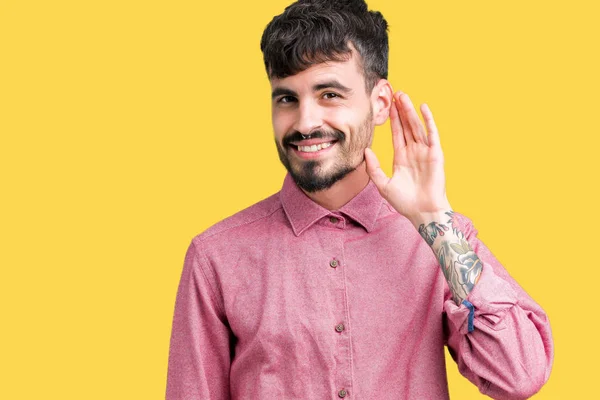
[323, 121]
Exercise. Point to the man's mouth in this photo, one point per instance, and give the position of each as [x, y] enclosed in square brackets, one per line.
[312, 151]
[314, 148]
[312, 145]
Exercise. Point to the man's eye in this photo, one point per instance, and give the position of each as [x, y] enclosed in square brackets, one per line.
[286, 99]
[330, 95]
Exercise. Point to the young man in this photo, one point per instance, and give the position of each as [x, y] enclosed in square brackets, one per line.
[348, 283]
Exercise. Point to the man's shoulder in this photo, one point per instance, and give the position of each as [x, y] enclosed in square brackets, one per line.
[251, 215]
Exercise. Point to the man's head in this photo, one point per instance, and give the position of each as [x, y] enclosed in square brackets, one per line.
[310, 32]
[327, 65]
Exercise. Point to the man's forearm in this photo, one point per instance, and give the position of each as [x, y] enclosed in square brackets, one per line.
[460, 264]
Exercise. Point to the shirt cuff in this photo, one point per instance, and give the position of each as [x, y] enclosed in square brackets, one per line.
[487, 303]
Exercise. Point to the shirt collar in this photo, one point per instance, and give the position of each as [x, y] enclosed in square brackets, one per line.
[303, 212]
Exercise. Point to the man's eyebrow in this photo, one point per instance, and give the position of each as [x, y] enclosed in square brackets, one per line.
[283, 91]
[333, 84]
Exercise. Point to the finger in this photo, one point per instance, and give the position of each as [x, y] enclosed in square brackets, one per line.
[413, 120]
[406, 129]
[433, 136]
[374, 170]
[397, 134]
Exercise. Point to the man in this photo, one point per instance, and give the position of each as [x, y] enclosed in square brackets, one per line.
[348, 283]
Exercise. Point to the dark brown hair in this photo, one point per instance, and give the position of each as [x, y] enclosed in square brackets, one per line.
[310, 32]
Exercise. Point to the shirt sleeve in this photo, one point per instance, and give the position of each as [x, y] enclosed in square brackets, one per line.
[500, 338]
[200, 347]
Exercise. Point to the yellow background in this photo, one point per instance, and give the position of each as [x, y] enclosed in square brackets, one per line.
[128, 127]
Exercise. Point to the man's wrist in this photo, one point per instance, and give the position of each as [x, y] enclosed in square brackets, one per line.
[441, 216]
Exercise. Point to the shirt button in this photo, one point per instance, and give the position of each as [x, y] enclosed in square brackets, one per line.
[334, 220]
[342, 393]
[333, 263]
[339, 327]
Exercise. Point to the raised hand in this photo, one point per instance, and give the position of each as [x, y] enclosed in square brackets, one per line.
[417, 187]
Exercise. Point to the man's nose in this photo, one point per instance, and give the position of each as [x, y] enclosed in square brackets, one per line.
[309, 117]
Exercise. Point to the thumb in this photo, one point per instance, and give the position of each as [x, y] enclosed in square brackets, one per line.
[374, 170]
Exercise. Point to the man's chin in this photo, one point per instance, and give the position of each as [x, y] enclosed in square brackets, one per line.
[313, 182]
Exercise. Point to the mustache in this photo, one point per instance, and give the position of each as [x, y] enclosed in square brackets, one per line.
[296, 136]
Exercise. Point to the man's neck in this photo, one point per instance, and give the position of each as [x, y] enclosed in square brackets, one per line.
[343, 190]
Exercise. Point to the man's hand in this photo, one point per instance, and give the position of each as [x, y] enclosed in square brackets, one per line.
[417, 187]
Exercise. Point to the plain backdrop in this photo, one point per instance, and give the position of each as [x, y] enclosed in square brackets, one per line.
[128, 127]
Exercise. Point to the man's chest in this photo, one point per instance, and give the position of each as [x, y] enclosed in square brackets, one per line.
[289, 290]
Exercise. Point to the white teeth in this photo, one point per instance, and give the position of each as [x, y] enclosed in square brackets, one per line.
[314, 147]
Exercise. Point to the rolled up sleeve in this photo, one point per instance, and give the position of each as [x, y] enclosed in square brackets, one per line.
[500, 338]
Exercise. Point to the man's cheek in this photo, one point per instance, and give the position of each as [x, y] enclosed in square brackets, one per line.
[279, 126]
[341, 120]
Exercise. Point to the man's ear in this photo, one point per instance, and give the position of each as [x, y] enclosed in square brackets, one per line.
[381, 100]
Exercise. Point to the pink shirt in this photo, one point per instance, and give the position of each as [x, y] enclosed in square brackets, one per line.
[288, 300]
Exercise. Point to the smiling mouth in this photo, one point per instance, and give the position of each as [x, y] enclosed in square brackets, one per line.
[312, 148]
[312, 145]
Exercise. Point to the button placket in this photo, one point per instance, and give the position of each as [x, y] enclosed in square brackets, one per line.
[343, 357]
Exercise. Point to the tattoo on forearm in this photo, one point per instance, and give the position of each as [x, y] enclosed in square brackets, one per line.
[431, 231]
[459, 263]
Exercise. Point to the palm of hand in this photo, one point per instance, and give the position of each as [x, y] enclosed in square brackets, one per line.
[417, 184]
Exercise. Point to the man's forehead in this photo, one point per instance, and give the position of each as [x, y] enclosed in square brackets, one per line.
[345, 72]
